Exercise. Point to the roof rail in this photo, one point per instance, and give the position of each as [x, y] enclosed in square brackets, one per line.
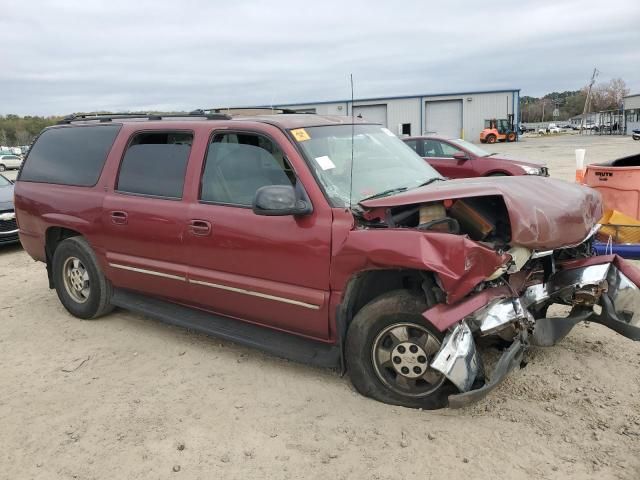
[108, 117]
[243, 110]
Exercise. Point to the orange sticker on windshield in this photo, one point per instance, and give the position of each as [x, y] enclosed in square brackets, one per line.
[300, 134]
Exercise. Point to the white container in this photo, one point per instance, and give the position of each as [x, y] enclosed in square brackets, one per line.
[581, 153]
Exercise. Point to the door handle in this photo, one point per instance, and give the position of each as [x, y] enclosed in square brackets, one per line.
[119, 218]
[201, 228]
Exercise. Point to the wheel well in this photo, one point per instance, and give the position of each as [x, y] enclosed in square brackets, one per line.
[370, 284]
[498, 172]
[53, 237]
[365, 286]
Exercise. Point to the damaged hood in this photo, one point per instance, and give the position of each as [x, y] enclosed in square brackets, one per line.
[544, 213]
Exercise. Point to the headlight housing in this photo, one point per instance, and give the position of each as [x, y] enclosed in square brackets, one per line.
[535, 170]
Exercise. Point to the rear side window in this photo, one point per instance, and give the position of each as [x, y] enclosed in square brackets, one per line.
[155, 164]
[69, 155]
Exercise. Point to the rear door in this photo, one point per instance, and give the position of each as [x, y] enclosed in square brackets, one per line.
[144, 217]
[439, 154]
[270, 270]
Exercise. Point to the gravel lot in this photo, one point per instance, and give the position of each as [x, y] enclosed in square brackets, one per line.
[128, 397]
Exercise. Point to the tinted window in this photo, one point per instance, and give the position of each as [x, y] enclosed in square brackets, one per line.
[413, 144]
[155, 164]
[431, 148]
[69, 155]
[238, 164]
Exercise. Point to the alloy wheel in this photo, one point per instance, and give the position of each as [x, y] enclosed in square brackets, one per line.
[401, 355]
[76, 279]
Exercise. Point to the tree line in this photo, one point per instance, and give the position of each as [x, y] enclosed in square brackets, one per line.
[604, 96]
[17, 131]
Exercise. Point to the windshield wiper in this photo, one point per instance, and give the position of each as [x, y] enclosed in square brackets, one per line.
[384, 193]
[430, 181]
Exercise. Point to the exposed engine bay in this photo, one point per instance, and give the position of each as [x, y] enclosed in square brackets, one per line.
[483, 219]
[511, 303]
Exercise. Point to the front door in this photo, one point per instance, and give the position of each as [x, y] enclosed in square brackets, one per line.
[270, 270]
[439, 154]
[144, 217]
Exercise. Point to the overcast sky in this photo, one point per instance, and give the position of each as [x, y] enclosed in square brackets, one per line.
[67, 56]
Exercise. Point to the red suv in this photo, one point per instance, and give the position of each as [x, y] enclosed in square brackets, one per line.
[319, 240]
[457, 158]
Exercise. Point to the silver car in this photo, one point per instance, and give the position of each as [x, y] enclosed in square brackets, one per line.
[9, 162]
[8, 225]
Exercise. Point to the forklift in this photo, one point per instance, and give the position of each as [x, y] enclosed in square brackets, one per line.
[498, 130]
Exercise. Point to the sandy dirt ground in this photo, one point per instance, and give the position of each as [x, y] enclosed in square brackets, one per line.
[126, 397]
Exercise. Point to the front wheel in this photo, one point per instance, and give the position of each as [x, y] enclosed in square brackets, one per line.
[80, 284]
[389, 349]
[2, 168]
[511, 137]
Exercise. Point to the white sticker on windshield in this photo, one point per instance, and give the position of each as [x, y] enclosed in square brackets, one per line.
[325, 163]
[388, 132]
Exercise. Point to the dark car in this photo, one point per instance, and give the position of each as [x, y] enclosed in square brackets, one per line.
[320, 240]
[457, 158]
[8, 226]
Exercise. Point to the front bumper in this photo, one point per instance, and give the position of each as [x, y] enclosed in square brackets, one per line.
[8, 227]
[605, 293]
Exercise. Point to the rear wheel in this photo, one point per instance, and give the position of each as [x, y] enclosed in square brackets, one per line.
[2, 168]
[497, 174]
[491, 139]
[80, 284]
[389, 349]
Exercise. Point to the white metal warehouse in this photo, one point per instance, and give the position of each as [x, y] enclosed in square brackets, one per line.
[450, 114]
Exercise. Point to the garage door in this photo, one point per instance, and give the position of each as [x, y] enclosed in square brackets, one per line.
[444, 117]
[372, 113]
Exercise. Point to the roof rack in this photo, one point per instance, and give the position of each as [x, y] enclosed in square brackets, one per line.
[108, 117]
[242, 110]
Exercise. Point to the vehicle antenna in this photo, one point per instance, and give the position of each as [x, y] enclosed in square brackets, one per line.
[352, 135]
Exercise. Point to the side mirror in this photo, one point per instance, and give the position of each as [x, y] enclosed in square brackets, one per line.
[460, 156]
[280, 200]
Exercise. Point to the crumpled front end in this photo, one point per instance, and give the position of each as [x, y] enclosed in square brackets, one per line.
[602, 290]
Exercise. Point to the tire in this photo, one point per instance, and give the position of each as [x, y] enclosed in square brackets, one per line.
[397, 311]
[498, 174]
[79, 282]
[2, 168]
[511, 137]
[491, 139]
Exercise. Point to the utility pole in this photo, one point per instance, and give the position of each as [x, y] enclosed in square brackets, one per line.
[587, 101]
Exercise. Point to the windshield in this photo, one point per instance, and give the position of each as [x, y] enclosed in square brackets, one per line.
[476, 150]
[4, 182]
[381, 162]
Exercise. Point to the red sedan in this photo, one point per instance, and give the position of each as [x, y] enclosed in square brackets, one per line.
[457, 158]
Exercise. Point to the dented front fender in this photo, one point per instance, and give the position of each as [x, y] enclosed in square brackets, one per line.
[459, 263]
